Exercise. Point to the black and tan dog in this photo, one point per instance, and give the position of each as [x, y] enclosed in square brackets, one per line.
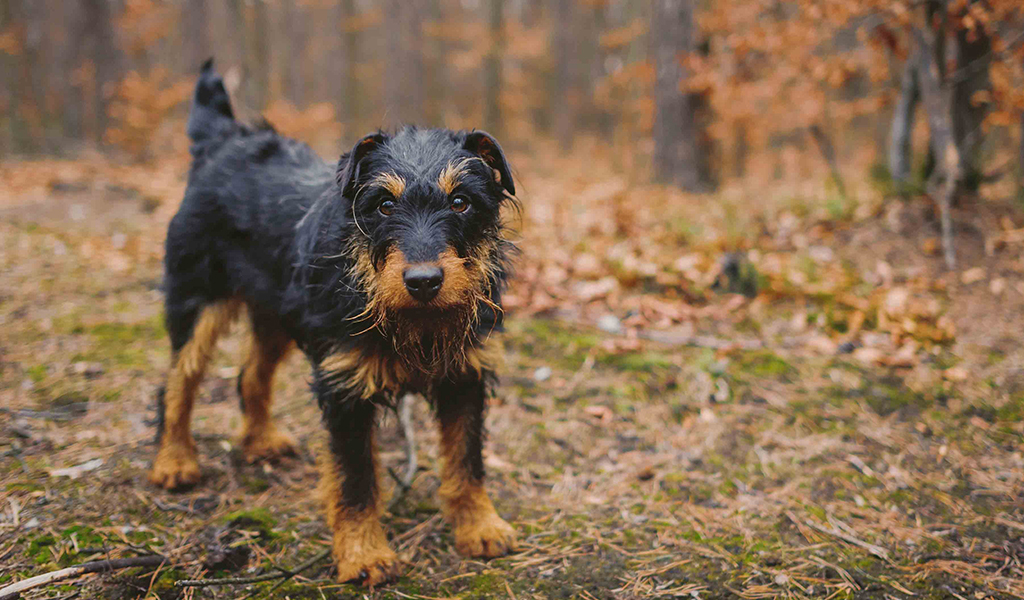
[386, 271]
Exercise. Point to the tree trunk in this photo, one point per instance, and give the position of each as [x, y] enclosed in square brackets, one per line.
[106, 58]
[740, 151]
[436, 69]
[403, 81]
[1020, 159]
[938, 101]
[8, 97]
[294, 83]
[492, 71]
[974, 54]
[903, 122]
[195, 23]
[562, 118]
[258, 56]
[344, 91]
[677, 136]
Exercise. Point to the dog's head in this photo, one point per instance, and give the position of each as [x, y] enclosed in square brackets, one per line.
[427, 205]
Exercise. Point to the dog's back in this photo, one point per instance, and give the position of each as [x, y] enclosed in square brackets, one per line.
[248, 187]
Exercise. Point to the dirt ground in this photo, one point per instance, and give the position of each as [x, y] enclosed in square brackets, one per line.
[855, 430]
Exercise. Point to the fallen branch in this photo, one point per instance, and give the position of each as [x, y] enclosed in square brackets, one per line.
[98, 566]
[283, 574]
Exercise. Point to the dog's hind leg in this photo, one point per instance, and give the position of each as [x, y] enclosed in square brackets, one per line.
[260, 437]
[175, 464]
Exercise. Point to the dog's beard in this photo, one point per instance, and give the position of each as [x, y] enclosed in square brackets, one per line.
[431, 341]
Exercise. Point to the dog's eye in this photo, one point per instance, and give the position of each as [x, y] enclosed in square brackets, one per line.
[460, 204]
[386, 208]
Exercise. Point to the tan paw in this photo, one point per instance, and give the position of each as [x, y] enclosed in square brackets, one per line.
[175, 466]
[266, 444]
[487, 537]
[371, 568]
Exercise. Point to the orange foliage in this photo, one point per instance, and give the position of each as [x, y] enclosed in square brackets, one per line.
[316, 124]
[786, 65]
[140, 106]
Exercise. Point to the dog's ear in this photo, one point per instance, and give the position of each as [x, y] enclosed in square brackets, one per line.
[486, 147]
[348, 165]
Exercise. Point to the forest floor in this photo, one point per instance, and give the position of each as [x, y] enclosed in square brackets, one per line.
[854, 430]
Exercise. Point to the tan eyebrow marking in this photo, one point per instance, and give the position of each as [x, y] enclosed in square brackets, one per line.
[451, 175]
[394, 184]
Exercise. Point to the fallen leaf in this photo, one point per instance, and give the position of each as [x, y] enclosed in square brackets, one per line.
[958, 373]
[972, 275]
[598, 411]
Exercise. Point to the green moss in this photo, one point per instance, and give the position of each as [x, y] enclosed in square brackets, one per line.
[258, 519]
[486, 585]
[39, 549]
[766, 365]
[1013, 410]
[120, 343]
[37, 373]
[647, 362]
[561, 344]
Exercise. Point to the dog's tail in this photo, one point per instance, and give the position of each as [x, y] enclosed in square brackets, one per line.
[211, 117]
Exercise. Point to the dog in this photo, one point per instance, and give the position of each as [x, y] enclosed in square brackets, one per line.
[385, 270]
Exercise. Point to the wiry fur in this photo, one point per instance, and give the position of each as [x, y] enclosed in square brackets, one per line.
[303, 246]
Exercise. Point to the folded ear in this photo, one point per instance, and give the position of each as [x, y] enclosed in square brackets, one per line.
[349, 164]
[487, 148]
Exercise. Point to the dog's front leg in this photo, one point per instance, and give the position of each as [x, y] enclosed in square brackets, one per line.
[350, 490]
[479, 531]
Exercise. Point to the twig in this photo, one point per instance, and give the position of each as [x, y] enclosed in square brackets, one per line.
[284, 574]
[98, 566]
[408, 428]
[834, 532]
[409, 433]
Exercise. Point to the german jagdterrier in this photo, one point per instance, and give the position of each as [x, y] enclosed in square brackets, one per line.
[386, 271]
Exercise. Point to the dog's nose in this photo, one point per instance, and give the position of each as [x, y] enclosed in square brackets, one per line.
[423, 281]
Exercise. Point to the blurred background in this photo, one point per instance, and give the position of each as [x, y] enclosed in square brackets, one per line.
[694, 92]
[770, 298]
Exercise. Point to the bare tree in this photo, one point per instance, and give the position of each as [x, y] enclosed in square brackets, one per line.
[679, 155]
[343, 83]
[937, 94]
[492, 69]
[403, 81]
[1020, 159]
[903, 122]
[974, 56]
[195, 24]
[561, 99]
[291, 66]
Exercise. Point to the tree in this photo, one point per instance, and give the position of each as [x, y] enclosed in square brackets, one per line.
[403, 78]
[677, 145]
[903, 124]
[343, 82]
[492, 69]
[562, 92]
[195, 36]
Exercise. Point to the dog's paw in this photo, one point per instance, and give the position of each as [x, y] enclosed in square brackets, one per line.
[486, 537]
[266, 444]
[374, 567]
[175, 467]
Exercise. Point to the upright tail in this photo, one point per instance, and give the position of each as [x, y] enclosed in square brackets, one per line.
[211, 116]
